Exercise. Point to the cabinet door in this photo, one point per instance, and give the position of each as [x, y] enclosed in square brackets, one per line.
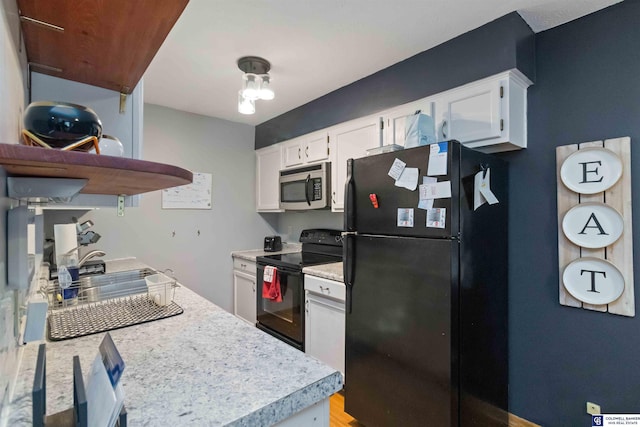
[293, 153]
[127, 127]
[472, 113]
[325, 330]
[351, 141]
[244, 296]
[316, 147]
[267, 178]
[396, 118]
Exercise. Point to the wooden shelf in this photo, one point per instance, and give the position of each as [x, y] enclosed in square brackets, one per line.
[108, 44]
[106, 174]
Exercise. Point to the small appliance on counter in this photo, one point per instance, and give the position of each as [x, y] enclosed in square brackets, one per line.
[272, 244]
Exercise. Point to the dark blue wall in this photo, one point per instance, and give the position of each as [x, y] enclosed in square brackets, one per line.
[587, 88]
[498, 46]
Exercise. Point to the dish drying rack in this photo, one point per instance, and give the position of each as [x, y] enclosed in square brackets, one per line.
[117, 300]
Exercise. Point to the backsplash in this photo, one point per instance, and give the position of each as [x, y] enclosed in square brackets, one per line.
[290, 224]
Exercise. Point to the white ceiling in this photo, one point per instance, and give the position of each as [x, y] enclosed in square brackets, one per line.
[314, 46]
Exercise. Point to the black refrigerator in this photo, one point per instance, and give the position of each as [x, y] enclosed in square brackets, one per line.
[426, 322]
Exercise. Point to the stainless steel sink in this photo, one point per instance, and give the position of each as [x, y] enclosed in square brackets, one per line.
[102, 287]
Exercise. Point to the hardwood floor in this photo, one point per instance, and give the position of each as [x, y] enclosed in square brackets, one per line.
[337, 416]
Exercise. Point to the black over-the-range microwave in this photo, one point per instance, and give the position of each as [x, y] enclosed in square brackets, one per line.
[306, 187]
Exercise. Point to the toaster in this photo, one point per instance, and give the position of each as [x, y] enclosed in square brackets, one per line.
[272, 244]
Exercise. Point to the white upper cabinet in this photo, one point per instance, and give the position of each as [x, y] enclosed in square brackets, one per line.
[350, 140]
[310, 148]
[488, 115]
[394, 120]
[268, 165]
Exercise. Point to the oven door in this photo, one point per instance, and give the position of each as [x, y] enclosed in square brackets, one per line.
[285, 319]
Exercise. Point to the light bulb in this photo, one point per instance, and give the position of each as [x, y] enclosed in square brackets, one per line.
[266, 92]
[251, 87]
[245, 106]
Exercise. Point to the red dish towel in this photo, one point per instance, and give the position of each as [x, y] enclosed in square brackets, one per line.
[271, 284]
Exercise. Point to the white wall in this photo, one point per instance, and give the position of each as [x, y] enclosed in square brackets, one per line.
[201, 262]
[12, 99]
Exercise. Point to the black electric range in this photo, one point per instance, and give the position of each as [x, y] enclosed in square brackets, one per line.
[285, 319]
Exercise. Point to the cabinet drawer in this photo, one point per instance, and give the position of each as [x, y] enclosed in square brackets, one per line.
[244, 265]
[328, 288]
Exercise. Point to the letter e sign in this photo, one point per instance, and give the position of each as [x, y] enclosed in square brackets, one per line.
[591, 170]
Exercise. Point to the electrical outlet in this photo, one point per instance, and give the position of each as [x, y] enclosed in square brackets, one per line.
[121, 205]
[593, 408]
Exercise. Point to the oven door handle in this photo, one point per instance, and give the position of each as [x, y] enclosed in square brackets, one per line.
[307, 186]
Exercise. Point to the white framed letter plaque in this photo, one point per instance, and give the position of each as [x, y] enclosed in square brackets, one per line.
[595, 239]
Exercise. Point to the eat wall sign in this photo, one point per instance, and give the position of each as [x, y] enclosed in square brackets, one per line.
[595, 248]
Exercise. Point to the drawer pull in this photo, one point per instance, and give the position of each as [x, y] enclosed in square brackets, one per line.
[323, 289]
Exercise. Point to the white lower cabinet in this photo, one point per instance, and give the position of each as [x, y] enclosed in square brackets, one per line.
[244, 290]
[325, 320]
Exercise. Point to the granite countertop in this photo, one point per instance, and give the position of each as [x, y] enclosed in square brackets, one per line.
[252, 254]
[203, 367]
[331, 271]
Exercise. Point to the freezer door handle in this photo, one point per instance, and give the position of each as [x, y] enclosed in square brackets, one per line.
[348, 252]
[349, 199]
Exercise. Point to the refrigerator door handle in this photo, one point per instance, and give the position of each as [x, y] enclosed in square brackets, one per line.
[349, 199]
[348, 249]
[307, 186]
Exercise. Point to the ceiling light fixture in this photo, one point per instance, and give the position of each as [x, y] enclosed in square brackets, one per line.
[256, 83]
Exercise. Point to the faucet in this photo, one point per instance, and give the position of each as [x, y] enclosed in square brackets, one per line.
[89, 255]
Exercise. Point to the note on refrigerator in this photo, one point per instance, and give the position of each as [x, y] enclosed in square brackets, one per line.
[396, 169]
[408, 179]
[482, 190]
[435, 190]
[424, 202]
[436, 218]
[438, 159]
[405, 217]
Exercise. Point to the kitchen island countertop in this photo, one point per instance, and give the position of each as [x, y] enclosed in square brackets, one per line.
[203, 367]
